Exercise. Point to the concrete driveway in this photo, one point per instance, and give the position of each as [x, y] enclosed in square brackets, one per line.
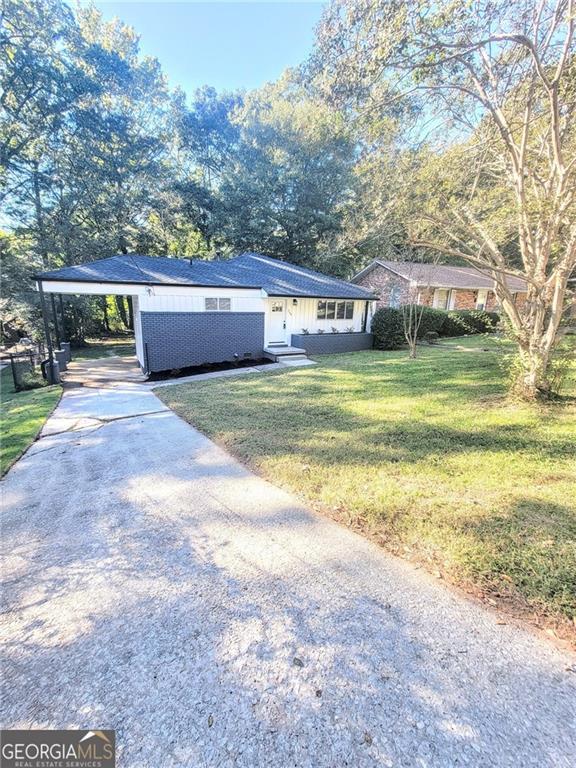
[155, 586]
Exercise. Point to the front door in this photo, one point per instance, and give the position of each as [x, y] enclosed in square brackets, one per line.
[277, 322]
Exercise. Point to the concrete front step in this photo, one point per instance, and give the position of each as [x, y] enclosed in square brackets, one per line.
[284, 352]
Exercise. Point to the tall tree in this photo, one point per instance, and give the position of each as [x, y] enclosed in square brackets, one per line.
[497, 80]
[288, 183]
[84, 138]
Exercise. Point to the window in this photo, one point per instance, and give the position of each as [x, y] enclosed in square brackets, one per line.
[217, 305]
[395, 294]
[335, 310]
[441, 297]
[481, 298]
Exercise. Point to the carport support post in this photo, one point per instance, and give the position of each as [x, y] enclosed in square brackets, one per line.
[46, 328]
[62, 318]
[55, 316]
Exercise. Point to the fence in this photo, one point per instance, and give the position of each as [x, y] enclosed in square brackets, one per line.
[25, 367]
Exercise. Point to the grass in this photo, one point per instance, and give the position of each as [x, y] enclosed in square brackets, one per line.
[21, 417]
[428, 456]
[105, 347]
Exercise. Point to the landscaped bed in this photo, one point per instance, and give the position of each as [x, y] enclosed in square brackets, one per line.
[426, 455]
[22, 416]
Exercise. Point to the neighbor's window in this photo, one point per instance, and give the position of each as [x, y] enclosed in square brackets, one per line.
[395, 295]
[321, 312]
[481, 299]
[330, 310]
[441, 298]
[217, 305]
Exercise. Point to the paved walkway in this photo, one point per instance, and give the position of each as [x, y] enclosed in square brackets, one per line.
[155, 586]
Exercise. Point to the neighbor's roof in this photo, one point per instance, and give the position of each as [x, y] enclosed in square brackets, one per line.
[442, 275]
[249, 270]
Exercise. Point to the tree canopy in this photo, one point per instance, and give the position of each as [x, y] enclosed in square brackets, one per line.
[417, 129]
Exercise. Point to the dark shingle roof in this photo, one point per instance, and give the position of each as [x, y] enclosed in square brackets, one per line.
[250, 270]
[444, 276]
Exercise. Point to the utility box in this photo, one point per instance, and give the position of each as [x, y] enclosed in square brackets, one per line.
[65, 347]
[60, 356]
[50, 372]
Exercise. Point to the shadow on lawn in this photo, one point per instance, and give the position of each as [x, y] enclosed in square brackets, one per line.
[530, 546]
[264, 422]
[161, 611]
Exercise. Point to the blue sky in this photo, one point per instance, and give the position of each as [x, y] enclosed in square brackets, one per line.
[227, 45]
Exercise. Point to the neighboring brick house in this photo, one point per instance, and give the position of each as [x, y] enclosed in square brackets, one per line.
[434, 285]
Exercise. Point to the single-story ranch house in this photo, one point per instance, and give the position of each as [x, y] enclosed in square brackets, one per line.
[192, 312]
[435, 285]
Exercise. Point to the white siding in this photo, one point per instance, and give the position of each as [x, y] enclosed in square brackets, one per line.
[138, 331]
[192, 300]
[165, 298]
[302, 315]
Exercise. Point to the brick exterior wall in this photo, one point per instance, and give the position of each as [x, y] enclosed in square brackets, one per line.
[520, 300]
[426, 296]
[329, 343]
[183, 339]
[462, 299]
[385, 284]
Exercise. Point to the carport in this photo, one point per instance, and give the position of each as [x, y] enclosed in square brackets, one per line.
[53, 314]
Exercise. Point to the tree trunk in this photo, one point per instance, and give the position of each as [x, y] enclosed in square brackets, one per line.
[532, 382]
[77, 336]
[105, 310]
[130, 312]
[121, 307]
[42, 244]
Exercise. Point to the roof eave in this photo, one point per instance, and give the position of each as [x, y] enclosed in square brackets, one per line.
[370, 297]
[44, 278]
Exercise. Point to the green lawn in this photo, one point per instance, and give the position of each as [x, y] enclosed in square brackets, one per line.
[97, 348]
[427, 455]
[21, 417]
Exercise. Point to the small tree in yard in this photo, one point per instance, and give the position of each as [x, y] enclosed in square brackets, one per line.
[412, 311]
[498, 81]
[412, 318]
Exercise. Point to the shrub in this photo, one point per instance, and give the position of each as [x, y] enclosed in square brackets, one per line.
[431, 337]
[32, 380]
[460, 321]
[388, 328]
[454, 324]
[431, 321]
